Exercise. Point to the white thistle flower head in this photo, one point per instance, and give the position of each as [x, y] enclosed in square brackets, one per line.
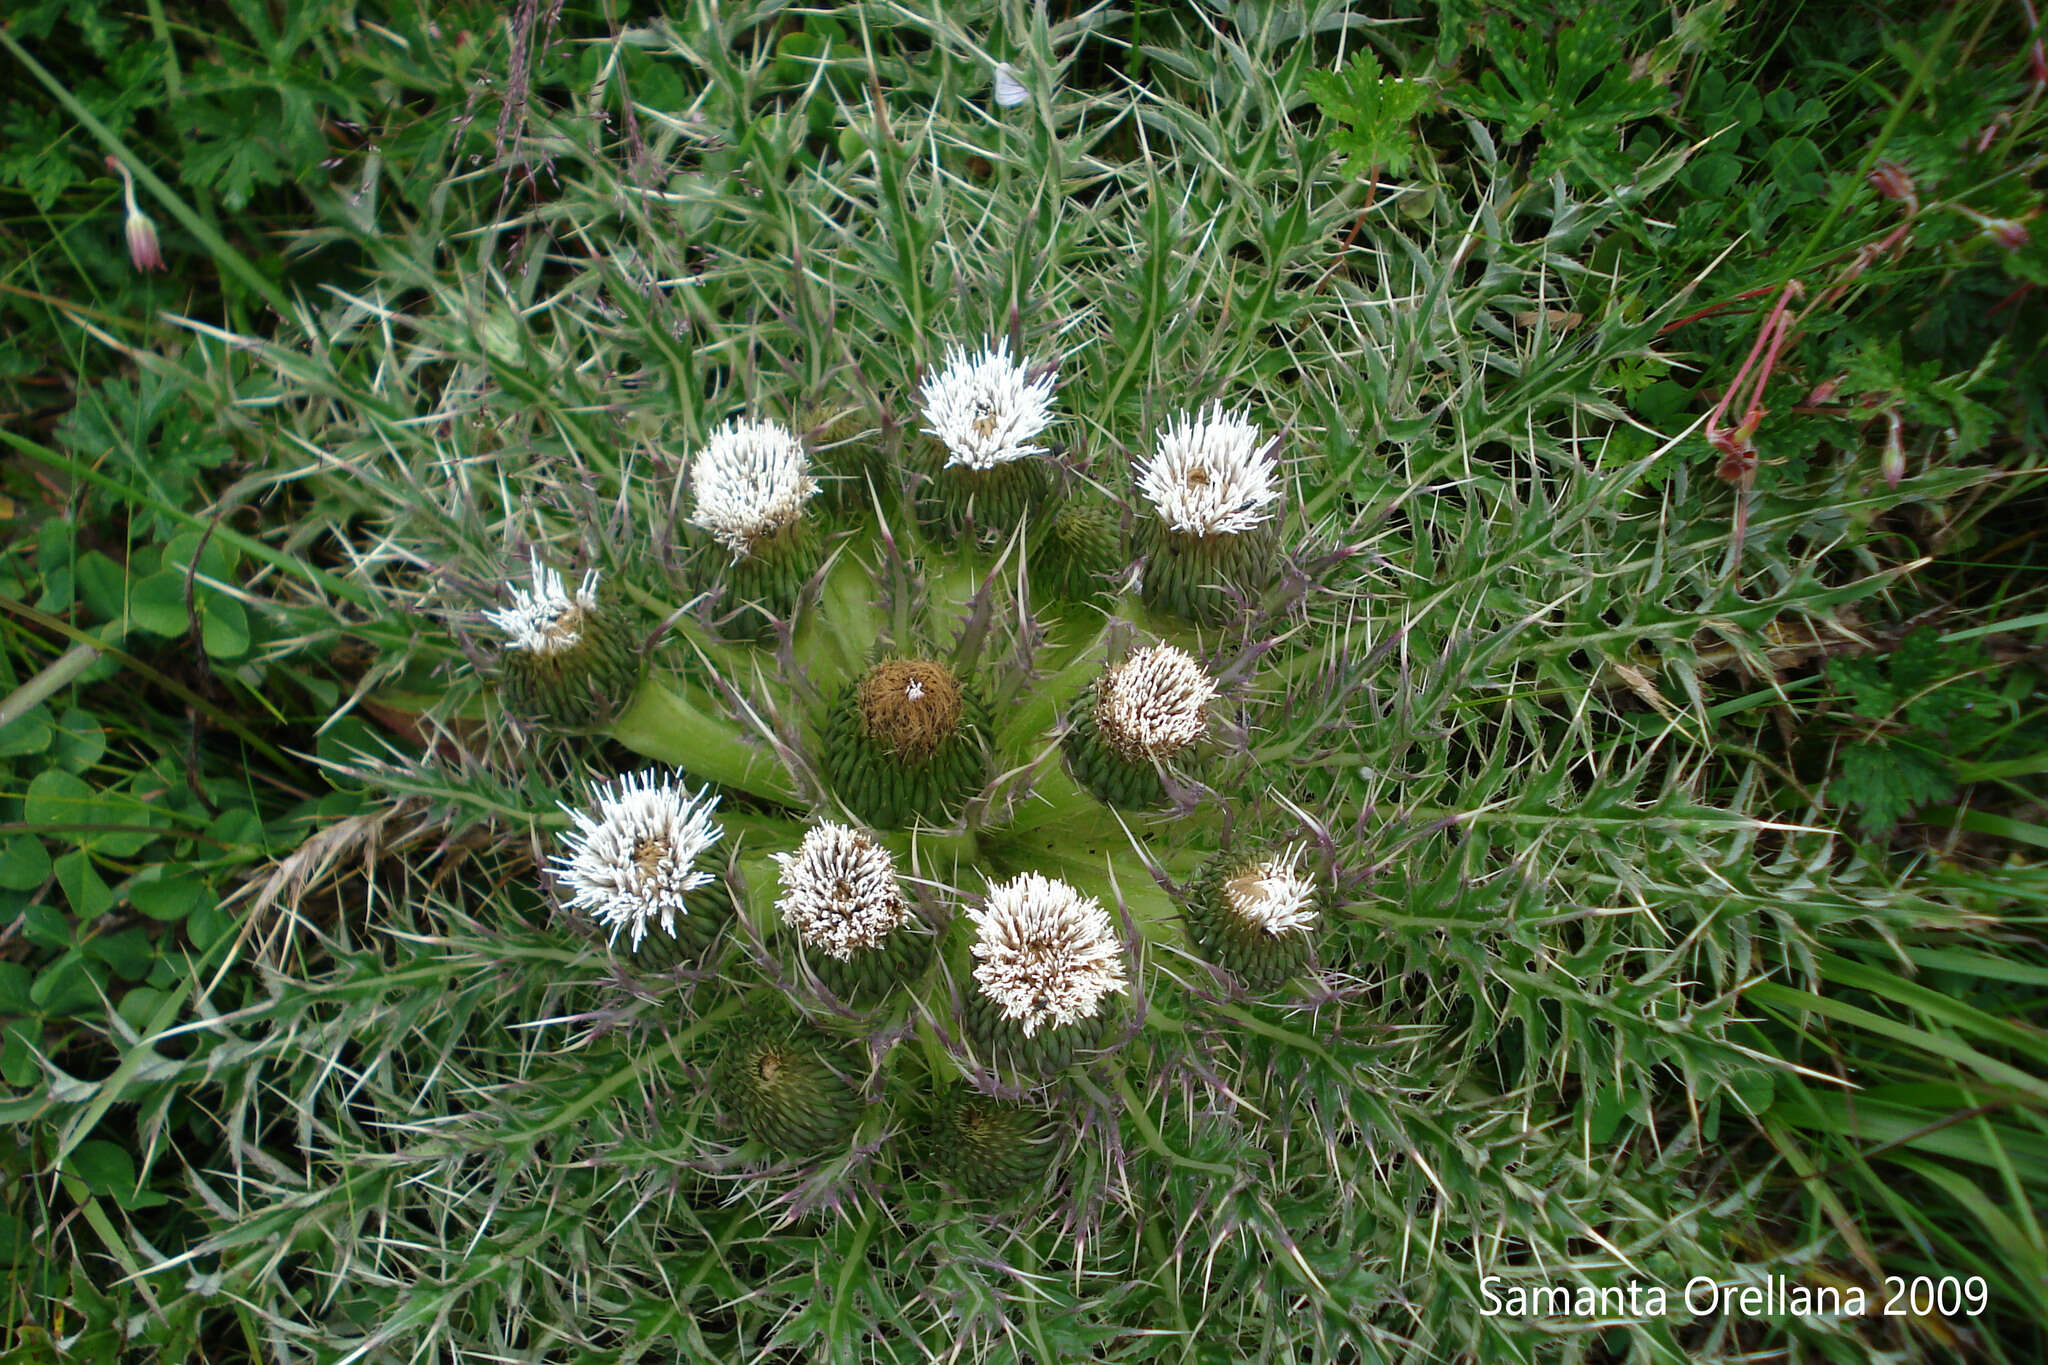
[548, 619]
[1154, 704]
[1273, 894]
[1048, 955]
[986, 408]
[635, 860]
[1211, 474]
[839, 891]
[750, 482]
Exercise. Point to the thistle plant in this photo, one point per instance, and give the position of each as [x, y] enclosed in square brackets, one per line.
[1203, 707]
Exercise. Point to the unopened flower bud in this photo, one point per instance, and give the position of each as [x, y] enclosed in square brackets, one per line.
[1891, 180]
[2007, 233]
[985, 1147]
[1893, 465]
[1825, 391]
[784, 1087]
[144, 251]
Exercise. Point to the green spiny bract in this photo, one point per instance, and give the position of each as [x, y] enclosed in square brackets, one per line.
[1001, 1043]
[1205, 578]
[985, 1147]
[865, 975]
[785, 1088]
[986, 504]
[907, 742]
[711, 910]
[1107, 775]
[1255, 915]
[763, 583]
[1076, 549]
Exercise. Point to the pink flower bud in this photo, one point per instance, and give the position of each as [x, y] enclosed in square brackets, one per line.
[2008, 234]
[142, 244]
[1893, 465]
[1890, 179]
[1825, 391]
[144, 251]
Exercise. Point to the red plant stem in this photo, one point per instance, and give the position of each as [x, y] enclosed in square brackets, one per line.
[1712, 309]
[2037, 56]
[1763, 336]
[1755, 412]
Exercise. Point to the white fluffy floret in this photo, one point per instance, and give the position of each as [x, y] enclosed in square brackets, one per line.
[986, 408]
[839, 891]
[1047, 954]
[634, 861]
[751, 481]
[1155, 703]
[1273, 895]
[1211, 475]
[548, 619]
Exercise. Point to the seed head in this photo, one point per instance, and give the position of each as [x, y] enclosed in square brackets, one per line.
[1153, 704]
[910, 706]
[839, 891]
[1273, 895]
[1047, 955]
[1211, 474]
[634, 861]
[986, 409]
[750, 482]
[549, 618]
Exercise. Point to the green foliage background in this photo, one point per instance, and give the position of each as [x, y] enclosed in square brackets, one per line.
[1693, 897]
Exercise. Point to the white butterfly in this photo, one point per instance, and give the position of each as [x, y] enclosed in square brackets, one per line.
[1010, 91]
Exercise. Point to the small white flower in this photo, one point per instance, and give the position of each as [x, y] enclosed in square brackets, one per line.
[549, 619]
[1274, 895]
[635, 860]
[1010, 91]
[839, 891]
[1211, 474]
[1047, 953]
[1154, 704]
[750, 482]
[986, 409]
